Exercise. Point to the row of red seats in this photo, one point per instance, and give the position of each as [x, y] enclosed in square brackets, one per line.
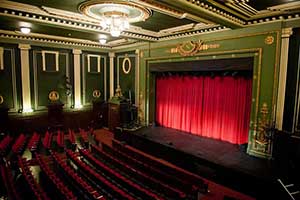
[33, 142]
[60, 138]
[4, 144]
[72, 136]
[19, 144]
[184, 175]
[59, 185]
[87, 188]
[39, 193]
[104, 168]
[7, 179]
[139, 175]
[149, 169]
[83, 135]
[97, 176]
[47, 140]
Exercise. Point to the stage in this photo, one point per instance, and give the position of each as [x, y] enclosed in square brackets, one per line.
[222, 162]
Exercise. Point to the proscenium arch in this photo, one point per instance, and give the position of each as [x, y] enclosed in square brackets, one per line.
[253, 55]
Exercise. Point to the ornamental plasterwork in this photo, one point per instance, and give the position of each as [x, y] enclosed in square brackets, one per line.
[269, 40]
[262, 137]
[96, 93]
[53, 96]
[1, 99]
[192, 47]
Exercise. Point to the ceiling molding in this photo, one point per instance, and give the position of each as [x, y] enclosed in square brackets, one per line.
[194, 17]
[36, 37]
[210, 11]
[171, 12]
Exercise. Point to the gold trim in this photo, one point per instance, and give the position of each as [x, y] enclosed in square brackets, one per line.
[190, 48]
[263, 124]
[211, 40]
[275, 82]
[269, 40]
[1, 99]
[1, 58]
[84, 8]
[96, 93]
[53, 96]
[124, 65]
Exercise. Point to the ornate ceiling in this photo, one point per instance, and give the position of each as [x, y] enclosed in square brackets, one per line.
[62, 22]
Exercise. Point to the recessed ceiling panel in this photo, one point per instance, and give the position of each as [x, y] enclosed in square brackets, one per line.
[159, 21]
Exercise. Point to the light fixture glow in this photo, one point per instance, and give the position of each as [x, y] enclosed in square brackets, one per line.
[78, 106]
[102, 39]
[115, 22]
[115, 17]
[25, 30]
[27, 110]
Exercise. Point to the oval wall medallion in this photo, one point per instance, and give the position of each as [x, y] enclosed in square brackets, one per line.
[53, 96]
[96, 93]
[126, 69]
[1, 99]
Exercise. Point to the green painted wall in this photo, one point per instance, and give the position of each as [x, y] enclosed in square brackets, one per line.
[8, 82]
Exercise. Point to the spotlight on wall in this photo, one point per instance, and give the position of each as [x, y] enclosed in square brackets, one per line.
[27, 110]
[78, 106]
[102, 39]
[25, 30]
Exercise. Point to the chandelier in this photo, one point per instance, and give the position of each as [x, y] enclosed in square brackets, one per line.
[114, 17]
[115, 21]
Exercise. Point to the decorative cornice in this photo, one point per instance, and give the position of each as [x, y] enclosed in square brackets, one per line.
[68, 22]
[35, 37]
[172, 12]
[211, 9]
[274, 19]
[194, 33]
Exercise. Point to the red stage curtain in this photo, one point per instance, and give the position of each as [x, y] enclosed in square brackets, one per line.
[217, 107]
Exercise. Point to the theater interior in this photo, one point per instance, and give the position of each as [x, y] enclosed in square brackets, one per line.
[150, 99]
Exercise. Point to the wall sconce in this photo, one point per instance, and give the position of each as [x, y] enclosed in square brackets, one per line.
[25, 30]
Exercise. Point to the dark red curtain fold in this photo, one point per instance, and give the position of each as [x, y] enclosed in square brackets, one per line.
[216, 107]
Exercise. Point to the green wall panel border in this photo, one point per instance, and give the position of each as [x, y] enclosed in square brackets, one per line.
[8, 83]
[44, 82]
[93, 81]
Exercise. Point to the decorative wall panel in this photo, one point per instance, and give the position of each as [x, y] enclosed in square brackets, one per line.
[125, 74]
[8, 89]
[94, 76]
[50, 75]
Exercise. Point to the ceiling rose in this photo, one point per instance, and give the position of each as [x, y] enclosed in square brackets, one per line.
[115, 16]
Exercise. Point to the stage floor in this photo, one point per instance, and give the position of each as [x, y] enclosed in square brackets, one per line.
[216, 151]
[216, 160]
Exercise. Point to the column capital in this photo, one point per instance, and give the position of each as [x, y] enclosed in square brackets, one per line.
[137, 51]
[24, 46]
[111, 54]
[286, 32]
[76, 51]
